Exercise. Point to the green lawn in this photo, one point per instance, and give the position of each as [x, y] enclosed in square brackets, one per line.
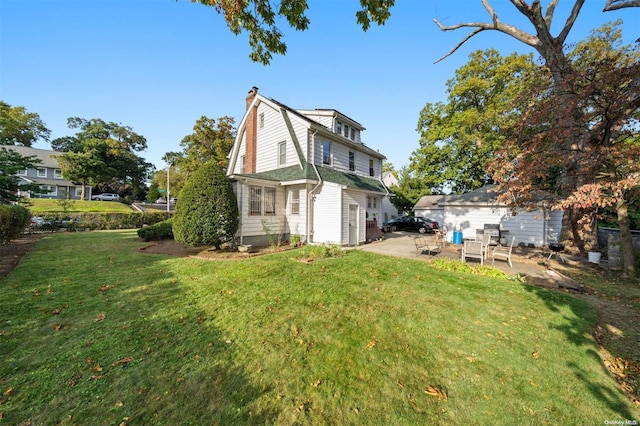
[92, 331]
[43, 205]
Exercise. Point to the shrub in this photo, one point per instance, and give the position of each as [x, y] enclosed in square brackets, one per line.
[207, 213]
[13, 221]
[159, 231]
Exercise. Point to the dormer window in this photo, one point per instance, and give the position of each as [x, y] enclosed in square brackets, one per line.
[338, 127]
[353, 134]
[346, 131]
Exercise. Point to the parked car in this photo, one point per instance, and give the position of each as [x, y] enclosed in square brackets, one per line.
[411, 223]
[38, 221]
[105, 196]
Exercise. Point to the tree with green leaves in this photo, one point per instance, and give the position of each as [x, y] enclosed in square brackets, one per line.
[19, 127]
[10, 164]
[104, 155]
[260, 19]
[458, 138]
[207, 213]
[211, 140]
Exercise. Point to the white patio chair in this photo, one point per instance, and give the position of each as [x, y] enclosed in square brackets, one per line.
[473, 250]
[503, 253]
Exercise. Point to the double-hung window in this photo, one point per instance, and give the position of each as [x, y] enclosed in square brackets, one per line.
[57, 173]
[352, 161]
[282, 153]
[371, 171]
[326, 153]
[270, 201]
[255, 200]
[295, 201]
[42, 172]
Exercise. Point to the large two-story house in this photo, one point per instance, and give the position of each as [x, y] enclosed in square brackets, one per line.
[304, 173]
[47, 174]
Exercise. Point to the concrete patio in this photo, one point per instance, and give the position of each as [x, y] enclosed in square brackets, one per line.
[531, 262]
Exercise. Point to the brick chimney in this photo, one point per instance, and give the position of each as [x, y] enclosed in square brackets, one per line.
[251, 133]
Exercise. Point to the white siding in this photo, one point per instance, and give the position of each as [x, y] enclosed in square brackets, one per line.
[253, 225]
[297, 222]
[389, 211]
[241, 152]
[436, 214]
[273, 132]
[340, 158]
[327, 214]
[361, 200]
[527, 227]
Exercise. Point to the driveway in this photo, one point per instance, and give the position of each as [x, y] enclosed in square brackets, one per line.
[532, 263]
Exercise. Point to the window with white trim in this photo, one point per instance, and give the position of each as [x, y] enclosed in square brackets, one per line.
[295, 201]
[22, 172]
[78, 191]
[282, 153]
[243, 162]
[57, 173]
[49, 190]
[270, 201]
[42, 172]
[371, 170]
[261, 119]
[255, 200]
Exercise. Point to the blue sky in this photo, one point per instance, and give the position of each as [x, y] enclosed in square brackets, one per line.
[158, 65]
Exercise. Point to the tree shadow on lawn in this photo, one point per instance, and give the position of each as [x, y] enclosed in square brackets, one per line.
[577, 331]
[126, 344]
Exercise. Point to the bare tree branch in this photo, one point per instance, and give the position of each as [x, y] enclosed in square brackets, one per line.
[620, 4]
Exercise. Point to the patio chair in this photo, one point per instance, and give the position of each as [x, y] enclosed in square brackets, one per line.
[503, 253]
[473, 250]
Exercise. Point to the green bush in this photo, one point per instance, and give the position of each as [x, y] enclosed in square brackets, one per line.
[159, 231]
[207, 213]
[99, 221]
[13, 221]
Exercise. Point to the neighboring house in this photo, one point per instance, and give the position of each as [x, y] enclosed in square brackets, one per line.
[470, 212]
[47, 174]
[389, 211]
[304, 172]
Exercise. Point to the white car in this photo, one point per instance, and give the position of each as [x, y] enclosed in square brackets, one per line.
[105, 196]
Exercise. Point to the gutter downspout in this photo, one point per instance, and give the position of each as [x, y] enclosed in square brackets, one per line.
[314, 189]
[386, 190]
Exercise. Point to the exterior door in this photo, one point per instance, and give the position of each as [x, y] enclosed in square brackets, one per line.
[353, 224]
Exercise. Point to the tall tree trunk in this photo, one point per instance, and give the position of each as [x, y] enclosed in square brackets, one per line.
[626, 242]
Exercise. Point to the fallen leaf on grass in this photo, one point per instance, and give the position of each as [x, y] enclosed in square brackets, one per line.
[119, 404]
[371, 344]
[432, 391]
[96, 367]
[105, 288]
[316, 383]
[122, 361]
[535, 355]
[100, 317]
[8, 392]
[471, 359]
[56, 327]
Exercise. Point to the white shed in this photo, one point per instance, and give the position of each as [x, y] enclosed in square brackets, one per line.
[472, 211]
[431, 207]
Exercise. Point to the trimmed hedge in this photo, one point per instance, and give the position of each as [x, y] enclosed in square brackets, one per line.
[99, 221]
[159, 231]
[13, 221]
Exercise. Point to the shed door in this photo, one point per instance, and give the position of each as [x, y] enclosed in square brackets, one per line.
[353, 224]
